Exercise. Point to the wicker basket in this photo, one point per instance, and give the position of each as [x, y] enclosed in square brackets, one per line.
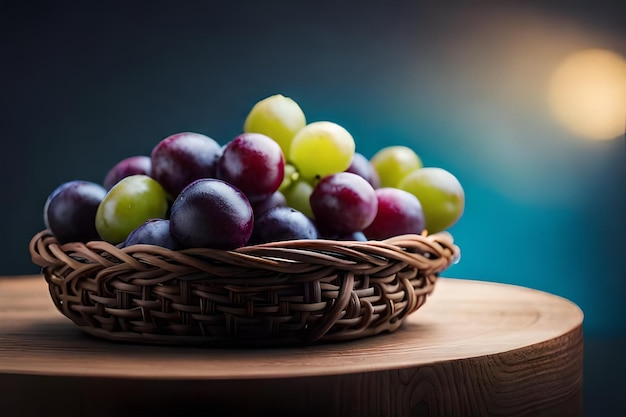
[294, 292]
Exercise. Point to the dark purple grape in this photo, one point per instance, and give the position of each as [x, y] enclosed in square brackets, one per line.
[358, 236]
[361, 166]
[211, 213]
[275, 200]
[183, 158]
[343, 203]
[399, 212]
[70, 211]
[282, 223]
[254, 163]
[153, 232]
[134, 165]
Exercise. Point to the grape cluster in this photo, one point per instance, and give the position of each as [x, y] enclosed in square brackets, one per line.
[280, 179]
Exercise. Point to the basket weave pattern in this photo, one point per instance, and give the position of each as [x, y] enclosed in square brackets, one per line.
[301, 291]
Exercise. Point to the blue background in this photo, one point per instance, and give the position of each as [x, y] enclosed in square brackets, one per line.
[464, 84]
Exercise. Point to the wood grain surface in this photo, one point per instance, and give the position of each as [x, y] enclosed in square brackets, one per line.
[474, 349]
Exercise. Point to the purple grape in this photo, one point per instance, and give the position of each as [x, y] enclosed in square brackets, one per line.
[358, 236]
[399, 212]
[282, 223]
[70, 211]
[275, 200]
[343, 203]
[211, 213]
[180, 159]
[133, 165]
[153, 232]
[254, 163]
[361, 166]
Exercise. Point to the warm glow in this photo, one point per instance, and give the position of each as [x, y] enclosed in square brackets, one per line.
[588, 94]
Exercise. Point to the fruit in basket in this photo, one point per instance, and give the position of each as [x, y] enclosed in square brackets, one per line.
[254, 163]
[280, 179]
[320, 149]
[440, 193]
[282, 223]
[128, 204]
[182, 158]
[393, 163]
[343, 203]
[210, 213]
[399, 212]
[278, 117]
[70, 211]
[153, 232]
[133, 165]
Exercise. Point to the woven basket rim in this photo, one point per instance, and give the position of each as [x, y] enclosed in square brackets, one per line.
[441, 242]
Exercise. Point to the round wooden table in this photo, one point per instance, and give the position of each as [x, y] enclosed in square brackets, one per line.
[474, 349]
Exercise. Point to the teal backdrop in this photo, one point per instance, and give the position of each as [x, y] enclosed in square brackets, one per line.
[464, 84]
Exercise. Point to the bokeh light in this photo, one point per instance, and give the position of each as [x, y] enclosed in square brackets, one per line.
[587, 94]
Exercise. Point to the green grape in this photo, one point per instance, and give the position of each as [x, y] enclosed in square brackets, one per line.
[278, 117]
[440, 193]
[297, 196]
[127, 205]
[289, 177]
[322, 148]
[393, 163]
